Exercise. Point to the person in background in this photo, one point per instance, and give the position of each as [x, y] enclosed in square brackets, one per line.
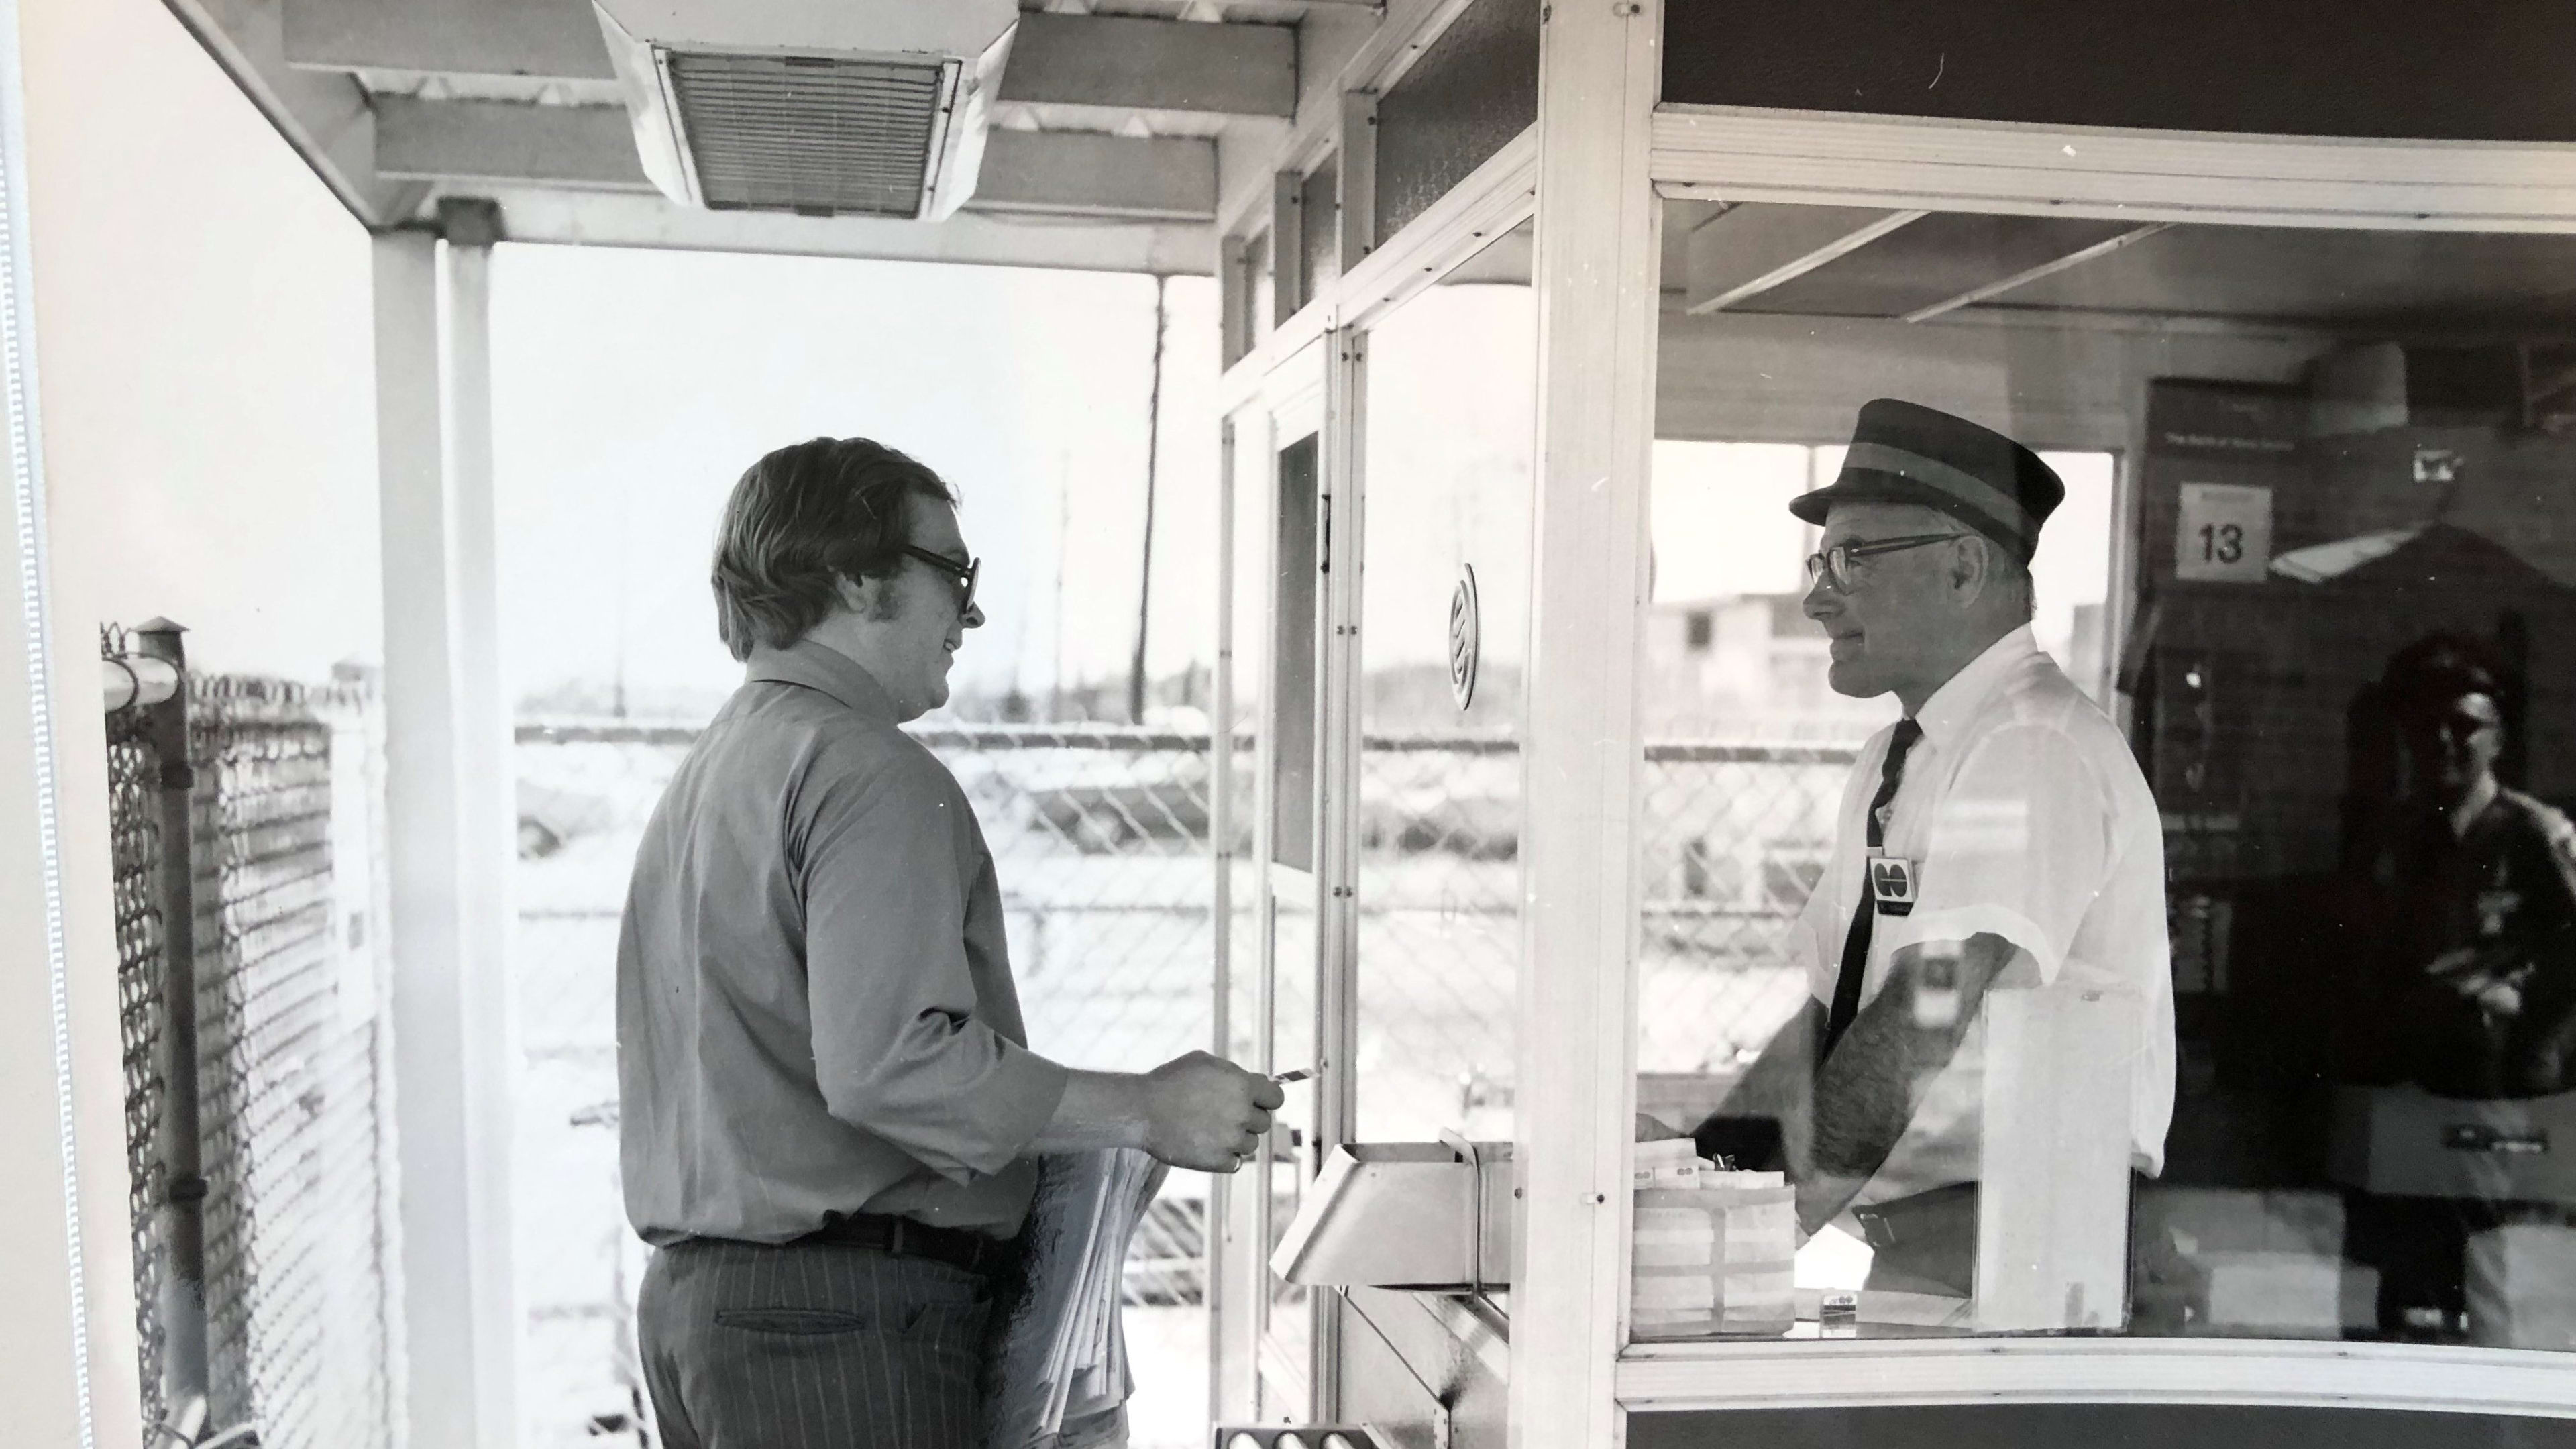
[1999, 836]
[828, 1109]
[2465, 911]
[2474, 886]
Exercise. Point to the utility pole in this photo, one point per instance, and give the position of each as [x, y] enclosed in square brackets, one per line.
[1145, 570]
[1063, 529]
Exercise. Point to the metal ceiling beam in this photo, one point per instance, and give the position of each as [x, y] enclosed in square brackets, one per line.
[1111, 61]
[505, 144]
[544, 38]
[2027, 275]
[462, 144]
[1125, 63]
[1748, 250]
[1083, 173]
[324, 117]
[603, 218]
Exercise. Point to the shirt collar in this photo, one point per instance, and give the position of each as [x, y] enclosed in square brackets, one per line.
[822, 667]
[1951, 706]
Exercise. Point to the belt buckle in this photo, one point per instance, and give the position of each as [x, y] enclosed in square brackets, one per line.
[894, 1237]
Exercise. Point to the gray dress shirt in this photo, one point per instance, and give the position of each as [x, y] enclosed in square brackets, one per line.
[815, 1013]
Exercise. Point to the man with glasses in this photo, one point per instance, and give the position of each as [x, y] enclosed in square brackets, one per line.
[828, 1109]
[1999, 836]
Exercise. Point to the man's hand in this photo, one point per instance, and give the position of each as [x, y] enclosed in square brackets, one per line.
[2489, 977]
[1204, 1112]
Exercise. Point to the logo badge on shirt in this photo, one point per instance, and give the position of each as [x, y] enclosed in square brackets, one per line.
[1893, 881]
[2495, 911]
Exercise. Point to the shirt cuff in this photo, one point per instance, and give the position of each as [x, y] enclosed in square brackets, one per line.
[1958, 923]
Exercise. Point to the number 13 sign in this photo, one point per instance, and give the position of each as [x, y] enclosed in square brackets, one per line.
[2226, 533]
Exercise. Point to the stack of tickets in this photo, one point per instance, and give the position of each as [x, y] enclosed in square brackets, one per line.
[1058, 1367]
[1714, 1249]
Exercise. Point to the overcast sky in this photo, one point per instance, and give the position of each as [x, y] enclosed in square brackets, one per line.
[631, 388]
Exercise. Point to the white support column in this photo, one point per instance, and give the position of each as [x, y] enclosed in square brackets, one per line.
[487, 821]
[448, 801]
[1596, 275]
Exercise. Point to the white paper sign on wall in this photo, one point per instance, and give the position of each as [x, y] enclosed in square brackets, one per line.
[2226, 533]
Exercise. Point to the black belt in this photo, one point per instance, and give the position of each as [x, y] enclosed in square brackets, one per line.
[904, 1238]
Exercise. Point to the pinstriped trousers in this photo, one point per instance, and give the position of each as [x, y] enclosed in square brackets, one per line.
[811, 1346]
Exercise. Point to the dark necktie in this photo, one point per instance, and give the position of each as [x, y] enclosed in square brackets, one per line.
[1865, 916]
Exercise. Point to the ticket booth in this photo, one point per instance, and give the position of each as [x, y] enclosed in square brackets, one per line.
[1530, 346]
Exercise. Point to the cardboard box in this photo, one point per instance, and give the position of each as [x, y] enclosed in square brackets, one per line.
[2522, 1286]
[2286, 1295]
[2406, 1142]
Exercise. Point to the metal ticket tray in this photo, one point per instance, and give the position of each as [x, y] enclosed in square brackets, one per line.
[2406, 1142]
[1431, 1216]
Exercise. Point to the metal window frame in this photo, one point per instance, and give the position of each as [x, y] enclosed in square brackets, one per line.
[1314, 361]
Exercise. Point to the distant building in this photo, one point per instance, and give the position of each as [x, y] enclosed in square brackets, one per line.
[1746, 667]
[1752, 667]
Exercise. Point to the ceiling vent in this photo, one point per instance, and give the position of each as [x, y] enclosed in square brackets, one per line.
[820, 107]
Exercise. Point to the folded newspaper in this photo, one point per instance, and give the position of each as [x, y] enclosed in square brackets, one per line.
[1058, 1371]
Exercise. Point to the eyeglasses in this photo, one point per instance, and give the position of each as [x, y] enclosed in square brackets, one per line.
[963, 573]
[1834, 564]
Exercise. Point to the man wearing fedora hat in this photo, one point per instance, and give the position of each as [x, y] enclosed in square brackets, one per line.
[1999, 836]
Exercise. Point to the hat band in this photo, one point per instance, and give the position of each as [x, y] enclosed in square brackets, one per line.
[1958, 483]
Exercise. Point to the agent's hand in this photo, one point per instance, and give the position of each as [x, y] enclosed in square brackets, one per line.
[1204, 1112]
[1653, 1129]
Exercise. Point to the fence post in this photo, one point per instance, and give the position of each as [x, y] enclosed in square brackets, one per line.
[183, 1308]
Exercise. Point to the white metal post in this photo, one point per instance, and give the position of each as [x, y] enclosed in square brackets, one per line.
[1216, 1234]
[447, 798]
[486, 813]
[1596, 276]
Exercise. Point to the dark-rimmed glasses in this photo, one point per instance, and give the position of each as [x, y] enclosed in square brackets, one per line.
[963, 573]
[1834, 564]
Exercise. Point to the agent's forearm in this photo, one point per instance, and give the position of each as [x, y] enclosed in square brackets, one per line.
[1869, 1089]
[1777, 1089]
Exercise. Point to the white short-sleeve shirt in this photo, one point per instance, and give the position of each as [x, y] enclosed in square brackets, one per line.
[2028, 819]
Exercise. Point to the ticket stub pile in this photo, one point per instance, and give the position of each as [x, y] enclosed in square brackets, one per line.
[1714, 1247]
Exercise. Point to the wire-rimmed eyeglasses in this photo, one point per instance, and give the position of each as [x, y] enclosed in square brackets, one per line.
[1834, 564]
[963, 573]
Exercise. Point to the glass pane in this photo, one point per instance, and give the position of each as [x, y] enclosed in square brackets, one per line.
[1246, 665]
[1261, 294]
[1473, 90]
[1293, 658]
[1319, 226]
[1294, 936]
[1451, 426]
[1250, 308]
[2217, 945]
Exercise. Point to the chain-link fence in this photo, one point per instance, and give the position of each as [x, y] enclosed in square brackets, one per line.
[142, 975]
[299, 1260]
[291, 1147]
[1732, 837]
[1735, 836]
